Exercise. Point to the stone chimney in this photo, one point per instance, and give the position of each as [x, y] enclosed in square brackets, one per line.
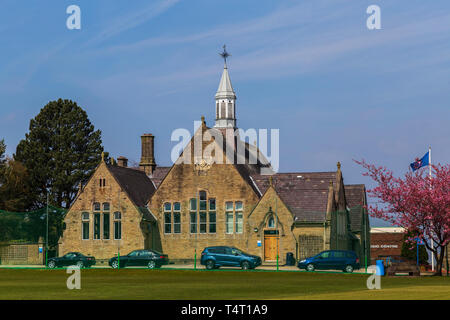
[122, 161]
[148, 163]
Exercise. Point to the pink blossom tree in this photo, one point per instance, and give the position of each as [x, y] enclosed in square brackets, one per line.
[415, 202]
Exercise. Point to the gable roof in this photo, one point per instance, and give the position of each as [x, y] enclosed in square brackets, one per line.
[356, 196]
[158, 175]
[305, 193]
[134, 182]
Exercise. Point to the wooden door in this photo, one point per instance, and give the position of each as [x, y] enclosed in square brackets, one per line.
[270, 247]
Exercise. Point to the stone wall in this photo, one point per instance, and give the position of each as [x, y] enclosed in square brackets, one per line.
[220, 181]
[133, 237]
[22, 253]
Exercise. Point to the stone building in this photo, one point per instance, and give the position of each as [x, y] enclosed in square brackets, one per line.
[199, 202]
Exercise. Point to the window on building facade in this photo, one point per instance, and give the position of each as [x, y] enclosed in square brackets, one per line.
[202, 221]
[97, 225]
[96, 206]
[239, 216]
[229, 217]
[105, 206]
[202, 214]
[167, 217]
[212, 215]
[193, 215]
[271, 223]
[234, 217]
[102, 182]
[117, 225]
[106, 222]
[203, 200]
[176, 217]
[85, 225]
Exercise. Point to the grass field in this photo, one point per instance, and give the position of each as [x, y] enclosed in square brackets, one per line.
[221, 284]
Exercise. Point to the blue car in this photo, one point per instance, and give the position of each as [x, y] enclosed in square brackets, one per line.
[343, 260]
[215, 257]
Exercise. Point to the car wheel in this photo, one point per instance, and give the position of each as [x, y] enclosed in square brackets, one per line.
[80, 264]
[310, 267]
[210, 264]
[245, 265]
[115, 264]
[348, 269]
[51, 264]
[151, 264]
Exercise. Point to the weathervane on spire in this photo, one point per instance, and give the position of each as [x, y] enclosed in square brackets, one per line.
[225, 54]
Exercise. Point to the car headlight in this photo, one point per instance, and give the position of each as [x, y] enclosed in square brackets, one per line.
[303, 261]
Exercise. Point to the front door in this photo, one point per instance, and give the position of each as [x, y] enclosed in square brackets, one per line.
[270, 247]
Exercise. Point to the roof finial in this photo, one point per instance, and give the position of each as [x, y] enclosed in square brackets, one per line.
[225, 55]
[271, 181]
[338, 165]
[203, 120]
[103, 156]
[331, 183]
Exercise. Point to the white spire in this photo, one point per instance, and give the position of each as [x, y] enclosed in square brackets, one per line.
[225, 98]
[225, 89]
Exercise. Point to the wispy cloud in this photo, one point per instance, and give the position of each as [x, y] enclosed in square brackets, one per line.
[132, 20]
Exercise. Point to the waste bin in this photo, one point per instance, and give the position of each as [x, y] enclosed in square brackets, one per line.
[380, 268]
[290, 261]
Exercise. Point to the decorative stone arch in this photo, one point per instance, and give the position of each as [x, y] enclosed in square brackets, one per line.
[269, 214]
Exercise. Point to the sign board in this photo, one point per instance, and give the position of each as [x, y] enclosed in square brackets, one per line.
[40, 249]
[259, 243]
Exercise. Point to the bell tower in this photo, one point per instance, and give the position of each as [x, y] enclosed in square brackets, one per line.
[225, 99]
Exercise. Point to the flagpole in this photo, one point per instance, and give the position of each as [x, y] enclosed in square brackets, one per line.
[432, 242]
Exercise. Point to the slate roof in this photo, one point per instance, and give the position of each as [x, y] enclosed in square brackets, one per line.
[355, 195]
[305, 193]
[159, 174]
[135, 183]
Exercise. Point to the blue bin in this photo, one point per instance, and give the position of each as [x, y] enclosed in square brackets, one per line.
[380, 268]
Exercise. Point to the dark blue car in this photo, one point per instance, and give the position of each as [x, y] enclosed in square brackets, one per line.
[215, 257]
[343, 260]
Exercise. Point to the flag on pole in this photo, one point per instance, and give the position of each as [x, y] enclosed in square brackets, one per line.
[419, 163]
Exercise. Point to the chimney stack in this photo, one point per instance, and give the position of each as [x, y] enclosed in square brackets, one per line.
[122, 161]
[147, 163]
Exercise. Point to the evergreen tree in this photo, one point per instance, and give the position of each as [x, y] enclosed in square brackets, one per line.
[60, 151]
[2, 152]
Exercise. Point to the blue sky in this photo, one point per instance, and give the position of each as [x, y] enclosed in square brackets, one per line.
[336, 90]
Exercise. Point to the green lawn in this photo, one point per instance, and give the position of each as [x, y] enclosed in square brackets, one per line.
[200, 284]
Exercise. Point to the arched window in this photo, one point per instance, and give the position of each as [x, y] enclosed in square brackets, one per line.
[105, 206]
[96, 206]
[271, 223]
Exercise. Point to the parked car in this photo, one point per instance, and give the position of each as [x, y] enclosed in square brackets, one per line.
[215, 257]
[343, 260]
[71, 259]
[140, 258]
